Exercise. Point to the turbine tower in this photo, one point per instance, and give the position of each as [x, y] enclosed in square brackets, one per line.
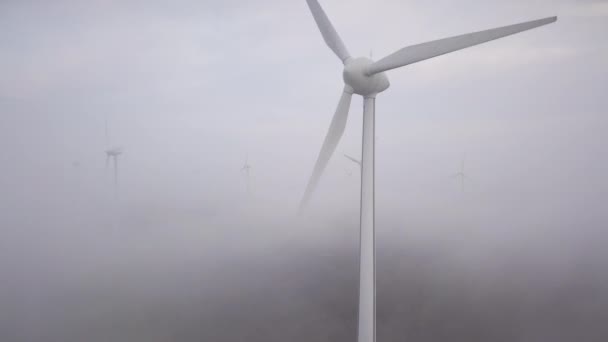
[247, 168]
[113, 154]
[364, 77]
[460, 175]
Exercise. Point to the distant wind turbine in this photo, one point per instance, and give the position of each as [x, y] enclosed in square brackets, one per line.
[247, 168]
[461, 175]
[354, 160]
[365, 77]
[113, 154]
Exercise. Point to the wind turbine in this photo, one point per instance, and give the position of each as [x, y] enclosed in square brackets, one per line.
[354, 160]
[460, 175]
[363, 76]
[113, 154]
[247, 168]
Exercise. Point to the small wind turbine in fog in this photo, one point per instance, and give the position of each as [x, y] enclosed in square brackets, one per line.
[247, 169]
[460, 175]
[354, 160]
[113, 154]
[363, 76]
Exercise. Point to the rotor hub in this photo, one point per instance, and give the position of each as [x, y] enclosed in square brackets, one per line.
[355, 75]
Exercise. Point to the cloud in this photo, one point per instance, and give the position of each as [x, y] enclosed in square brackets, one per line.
[190, 88]
[587, 9]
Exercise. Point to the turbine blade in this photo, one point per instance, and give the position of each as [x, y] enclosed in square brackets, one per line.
[336, 129]
[357, 161]
[330, 35]
[420, 52]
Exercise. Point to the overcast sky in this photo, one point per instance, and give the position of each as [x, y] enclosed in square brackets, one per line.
[191, 89]
[196, 86]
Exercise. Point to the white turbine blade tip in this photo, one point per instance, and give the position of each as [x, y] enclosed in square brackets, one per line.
[330, 35]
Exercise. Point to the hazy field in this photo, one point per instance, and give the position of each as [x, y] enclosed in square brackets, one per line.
[462, 276]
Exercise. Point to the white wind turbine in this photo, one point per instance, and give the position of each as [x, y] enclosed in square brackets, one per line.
[460, 175]
[247, 168]
[353, 159]
[364, 77]
[113, 154]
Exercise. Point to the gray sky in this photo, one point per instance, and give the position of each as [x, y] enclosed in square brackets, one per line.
[192, 88]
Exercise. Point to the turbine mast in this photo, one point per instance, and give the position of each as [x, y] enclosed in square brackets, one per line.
[248, 181]
[116, 171]
[462, 175]
[367, 261]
